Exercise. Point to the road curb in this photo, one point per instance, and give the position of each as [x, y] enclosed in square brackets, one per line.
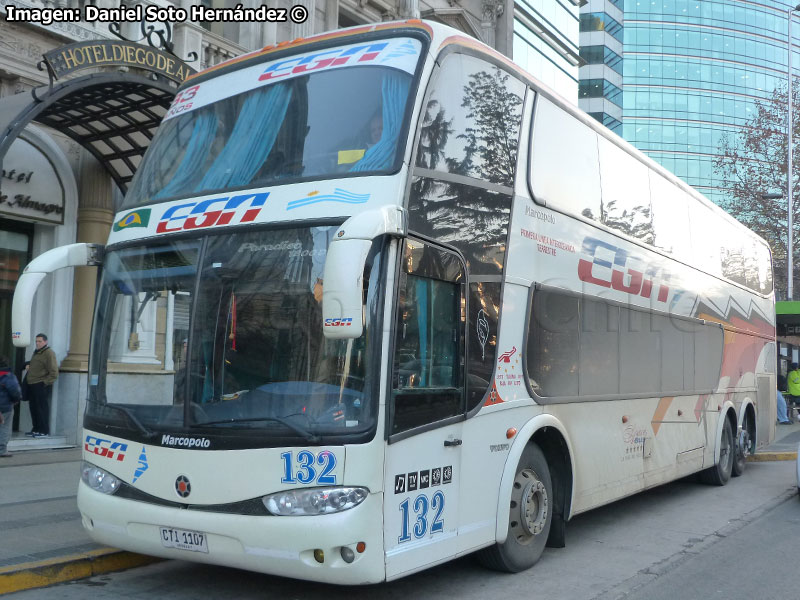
[43, 573]
[771, 456]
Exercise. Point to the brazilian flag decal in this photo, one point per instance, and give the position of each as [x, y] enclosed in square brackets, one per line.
[139, 218]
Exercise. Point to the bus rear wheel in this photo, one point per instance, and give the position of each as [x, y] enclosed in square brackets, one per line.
[720, 473]
[530, 516]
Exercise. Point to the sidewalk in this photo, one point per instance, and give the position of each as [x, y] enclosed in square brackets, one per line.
[43, 541]
[787, 437]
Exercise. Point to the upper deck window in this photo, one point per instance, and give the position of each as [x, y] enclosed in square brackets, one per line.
[471, 121]
[326, 113]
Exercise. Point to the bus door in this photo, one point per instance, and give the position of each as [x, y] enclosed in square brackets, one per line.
[426, 410]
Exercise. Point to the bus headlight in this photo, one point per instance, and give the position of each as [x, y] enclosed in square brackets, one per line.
[98, 479]
[314, 501]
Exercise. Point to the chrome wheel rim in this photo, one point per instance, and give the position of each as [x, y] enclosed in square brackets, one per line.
[725, 456]
[744, 444]
[530, 506]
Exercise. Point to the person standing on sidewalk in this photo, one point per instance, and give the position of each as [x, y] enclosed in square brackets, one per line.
[10, 395]
[42, 373]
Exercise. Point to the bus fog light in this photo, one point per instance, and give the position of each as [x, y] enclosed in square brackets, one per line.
[314, 501]
[348, 555]
[319, 556]
[99, 479]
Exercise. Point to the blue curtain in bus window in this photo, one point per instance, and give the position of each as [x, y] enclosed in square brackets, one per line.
[422, 324]
[251, 140]
[394, 91]
[205, 128]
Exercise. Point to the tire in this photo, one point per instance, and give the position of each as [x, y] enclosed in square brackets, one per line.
[720, 473]
[743, 447]
[530, 516]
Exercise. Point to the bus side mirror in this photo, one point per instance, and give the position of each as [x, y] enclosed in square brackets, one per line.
[73, 255]
[343, 278]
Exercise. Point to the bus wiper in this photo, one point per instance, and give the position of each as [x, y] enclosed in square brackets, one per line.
[307, 435]
[131, 417]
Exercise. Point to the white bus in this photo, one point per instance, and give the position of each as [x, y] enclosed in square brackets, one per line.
[378, 299]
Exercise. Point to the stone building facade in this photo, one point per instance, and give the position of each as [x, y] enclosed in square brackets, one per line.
[54, 192]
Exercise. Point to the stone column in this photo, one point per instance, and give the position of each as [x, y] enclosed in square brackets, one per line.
[95, 216]
[306, 29]
[408, 9]
[331, 15]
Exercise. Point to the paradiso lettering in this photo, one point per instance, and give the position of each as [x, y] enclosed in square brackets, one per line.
[227, 210]
[609, 267]
[335, 57]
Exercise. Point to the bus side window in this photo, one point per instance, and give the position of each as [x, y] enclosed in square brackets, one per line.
[428, 373]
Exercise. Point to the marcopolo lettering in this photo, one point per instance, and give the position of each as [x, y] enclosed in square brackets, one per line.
[226, 210]
[185, 442]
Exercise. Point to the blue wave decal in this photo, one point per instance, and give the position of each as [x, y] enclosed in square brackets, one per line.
[143, 466]
[339, 195]
[404, 50]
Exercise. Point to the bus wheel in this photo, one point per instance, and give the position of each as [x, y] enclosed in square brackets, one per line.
[720, 473]
[530, 517]
[744, 447]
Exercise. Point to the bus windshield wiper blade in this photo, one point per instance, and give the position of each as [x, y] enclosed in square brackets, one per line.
[131, 417]
[310, 437]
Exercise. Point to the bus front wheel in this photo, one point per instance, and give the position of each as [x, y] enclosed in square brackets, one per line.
[530, 516]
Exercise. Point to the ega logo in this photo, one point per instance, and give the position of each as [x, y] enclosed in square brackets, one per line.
[338, 322]
[226, 210]
[613, 267]
[105, 448]
[320, 60]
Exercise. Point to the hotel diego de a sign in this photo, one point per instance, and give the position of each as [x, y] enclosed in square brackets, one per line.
[105, 53]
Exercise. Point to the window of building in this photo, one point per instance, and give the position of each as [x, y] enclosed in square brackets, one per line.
[600, 88]
[601, 22]
[602, 55]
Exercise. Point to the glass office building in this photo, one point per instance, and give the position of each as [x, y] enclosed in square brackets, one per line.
[601, 41]
[691, 71]
[546, 43]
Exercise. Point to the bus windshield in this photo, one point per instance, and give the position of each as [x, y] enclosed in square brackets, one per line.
[224, 335]
[330, 123]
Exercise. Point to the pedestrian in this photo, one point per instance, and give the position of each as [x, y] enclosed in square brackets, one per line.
[10, 395]
[42, 373]
[783, 418]
[793, 387]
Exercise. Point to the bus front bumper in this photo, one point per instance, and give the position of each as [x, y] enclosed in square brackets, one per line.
[284, 546]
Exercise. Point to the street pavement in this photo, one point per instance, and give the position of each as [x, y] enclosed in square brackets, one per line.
[43, 540]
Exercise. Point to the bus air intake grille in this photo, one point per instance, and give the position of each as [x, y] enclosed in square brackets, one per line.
[252, 507]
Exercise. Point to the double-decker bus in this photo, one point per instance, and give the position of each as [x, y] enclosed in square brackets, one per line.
[378, 298]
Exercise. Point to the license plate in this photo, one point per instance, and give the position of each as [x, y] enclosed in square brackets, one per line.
[193, 541]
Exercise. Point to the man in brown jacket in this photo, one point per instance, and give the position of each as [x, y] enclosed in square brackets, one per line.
[42, 373]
